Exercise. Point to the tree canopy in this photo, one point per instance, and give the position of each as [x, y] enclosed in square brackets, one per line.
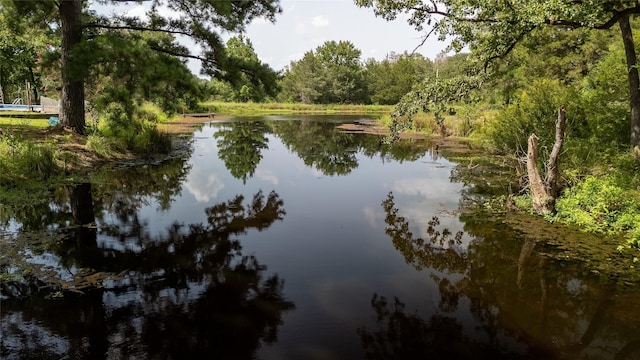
[492, 29]
[78, 29]
[332, 73]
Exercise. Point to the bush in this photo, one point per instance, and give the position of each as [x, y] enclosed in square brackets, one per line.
[132, 130]
[535, 112]
[602, 205]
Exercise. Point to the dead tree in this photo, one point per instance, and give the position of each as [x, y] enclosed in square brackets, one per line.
[544, 193]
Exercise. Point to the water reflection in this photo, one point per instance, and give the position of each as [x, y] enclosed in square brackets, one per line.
[170, 260]
[401, 334]
[318, 143]
[524, 304]
[188, 293]
[240, 144]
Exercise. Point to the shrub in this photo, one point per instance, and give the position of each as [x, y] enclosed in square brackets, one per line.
[535, 112]
[602, 205]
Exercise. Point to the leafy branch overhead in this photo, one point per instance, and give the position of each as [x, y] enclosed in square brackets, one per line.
[432, 95]
[491, 29]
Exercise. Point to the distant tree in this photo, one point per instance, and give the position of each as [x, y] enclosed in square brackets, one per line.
[304, 80]
[330, 74]
[21, 56]
[201, 20]
[393, 77]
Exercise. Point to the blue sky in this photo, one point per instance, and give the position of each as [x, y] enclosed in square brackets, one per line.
[306, 24]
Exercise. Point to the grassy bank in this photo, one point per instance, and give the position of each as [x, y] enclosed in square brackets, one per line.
[232, 109]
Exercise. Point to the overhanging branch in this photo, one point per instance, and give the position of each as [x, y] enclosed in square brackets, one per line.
[181, 54]
[136, 28]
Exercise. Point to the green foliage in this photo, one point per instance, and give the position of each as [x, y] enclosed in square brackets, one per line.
[330, 74]
[602, 205]
[250, 79]
[270, 108]
[535, 112]
[23, 52]
[132, 128]
[432, 95]
[606, 93]
[21, 159]
[393, 77]
[139, 74]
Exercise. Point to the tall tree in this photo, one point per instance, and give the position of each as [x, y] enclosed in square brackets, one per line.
[394, 76]
[492, 28]
[201, 20]
[332, 73]
[256, 83]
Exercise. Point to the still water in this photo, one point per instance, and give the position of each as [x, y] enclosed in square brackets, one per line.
[286, 238]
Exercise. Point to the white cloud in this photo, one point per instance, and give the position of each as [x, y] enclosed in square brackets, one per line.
[319, 21]
[260, 21]
[301, 28]
[139, 12]
[164, 11]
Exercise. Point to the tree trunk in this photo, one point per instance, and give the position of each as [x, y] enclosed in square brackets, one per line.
[34, 86]
[72, 95]
[544, 193]
[634, 82]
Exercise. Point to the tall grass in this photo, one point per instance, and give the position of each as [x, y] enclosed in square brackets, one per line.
[23, 159]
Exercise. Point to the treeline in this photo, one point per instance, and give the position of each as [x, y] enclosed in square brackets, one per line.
[334, 73]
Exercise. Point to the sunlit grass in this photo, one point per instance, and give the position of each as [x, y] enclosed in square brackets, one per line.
[225, 108]
[13, 122]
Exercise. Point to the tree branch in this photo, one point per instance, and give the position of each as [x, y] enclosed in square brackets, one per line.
[182, 55]
[136, 28]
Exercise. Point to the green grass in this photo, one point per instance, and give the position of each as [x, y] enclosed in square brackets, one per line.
[224, 108]
[23, 122]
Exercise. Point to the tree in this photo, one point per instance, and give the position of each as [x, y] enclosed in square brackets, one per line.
[21, 55]
[200, 20]
[258, 81]
[330, 74]
[491, 29]
[394, 76]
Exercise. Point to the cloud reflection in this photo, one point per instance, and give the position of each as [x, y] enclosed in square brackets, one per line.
[204, 187]
[267, 175]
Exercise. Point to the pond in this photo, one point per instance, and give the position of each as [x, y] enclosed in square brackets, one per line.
[287, 238]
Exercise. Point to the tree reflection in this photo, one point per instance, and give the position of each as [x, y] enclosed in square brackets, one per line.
[122, 191]
[188, 293]
[402, 335]
[521, 301]
[333, 151]
[319, 145]
[240, 146]
[438, 251]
